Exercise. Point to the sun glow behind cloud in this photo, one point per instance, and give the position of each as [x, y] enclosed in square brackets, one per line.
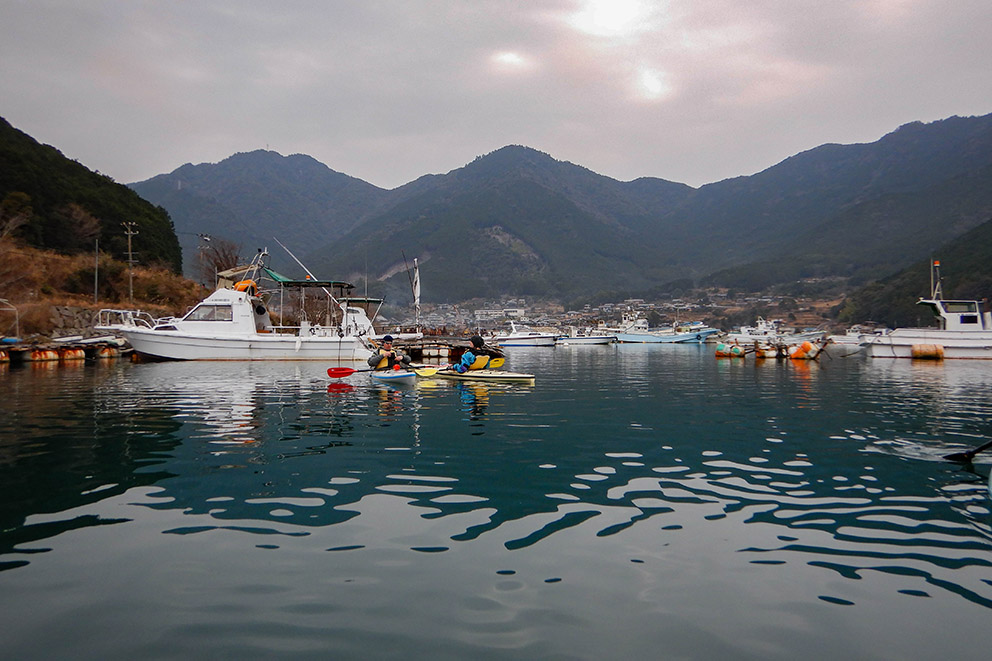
[508, 60]
[653, 84]
[612, 18]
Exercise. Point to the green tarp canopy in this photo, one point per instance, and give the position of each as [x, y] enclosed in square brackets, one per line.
[309, 282]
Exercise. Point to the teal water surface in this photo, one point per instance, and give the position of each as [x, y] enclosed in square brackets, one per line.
[637, 502]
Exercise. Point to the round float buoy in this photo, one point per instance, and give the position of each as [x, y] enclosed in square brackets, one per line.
[107, 352]
[927, 351]
[247, 286]
[72, 354]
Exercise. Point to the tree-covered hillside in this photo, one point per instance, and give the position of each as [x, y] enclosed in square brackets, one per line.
[966, 274]
[55, 203]
[253, 197]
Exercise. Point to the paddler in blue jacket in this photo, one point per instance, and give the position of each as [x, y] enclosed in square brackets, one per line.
[388, 358]
[470, 355]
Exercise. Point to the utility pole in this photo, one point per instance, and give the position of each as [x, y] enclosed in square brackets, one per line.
[96, 272]
[130, 231]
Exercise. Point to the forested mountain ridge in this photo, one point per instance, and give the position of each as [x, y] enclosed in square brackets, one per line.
[856, 212]
[52, 202]
[519, 222]
[250, 197]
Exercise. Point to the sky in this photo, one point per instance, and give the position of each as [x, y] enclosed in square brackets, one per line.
[693, 91]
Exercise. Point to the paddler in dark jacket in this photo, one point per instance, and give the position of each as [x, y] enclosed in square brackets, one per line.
[387, 358]
[471, 354]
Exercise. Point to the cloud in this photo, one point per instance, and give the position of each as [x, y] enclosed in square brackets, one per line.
[387, 90]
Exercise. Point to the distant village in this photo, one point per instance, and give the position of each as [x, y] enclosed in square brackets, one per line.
[716, 307]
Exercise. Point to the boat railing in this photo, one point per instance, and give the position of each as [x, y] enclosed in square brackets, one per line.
[306, 329]
[111, 318]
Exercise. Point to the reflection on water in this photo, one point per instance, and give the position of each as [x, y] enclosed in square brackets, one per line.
[649, 484]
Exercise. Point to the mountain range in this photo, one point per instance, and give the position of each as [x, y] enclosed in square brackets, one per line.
[519, 222]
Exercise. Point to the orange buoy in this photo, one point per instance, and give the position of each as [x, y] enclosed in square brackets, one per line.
[927, 351]
[72, 354]
[108, 352]
[42, 356]
[247, 286]
[801, 352]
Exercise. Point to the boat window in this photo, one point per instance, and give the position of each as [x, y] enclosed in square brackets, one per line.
[969, 319]
[211, 313]
[960, 306]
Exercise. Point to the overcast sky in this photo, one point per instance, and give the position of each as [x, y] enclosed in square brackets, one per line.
[693, 91]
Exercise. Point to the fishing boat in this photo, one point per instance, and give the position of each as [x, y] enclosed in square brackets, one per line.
[234, 323]
[634, 329]
[584, 336]
[772, 331]
[631, 329]
[492, 376]
[849, 343]
[964, 330]
[522, 336]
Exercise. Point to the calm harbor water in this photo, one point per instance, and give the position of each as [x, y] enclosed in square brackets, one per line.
[638, 502]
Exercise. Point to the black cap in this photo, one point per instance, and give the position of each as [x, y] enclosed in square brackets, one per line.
[388, 338]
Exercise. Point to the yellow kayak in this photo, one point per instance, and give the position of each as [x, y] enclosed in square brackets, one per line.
[494, 376]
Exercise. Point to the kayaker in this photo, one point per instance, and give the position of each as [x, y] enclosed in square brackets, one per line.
[477, 349]
[387, 358]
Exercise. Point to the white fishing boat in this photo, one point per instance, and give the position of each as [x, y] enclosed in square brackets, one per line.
[634, 329]
[522, 336]
[964, 331]
[234, 323]
[584, 336]
[849, 343]
[772, 331]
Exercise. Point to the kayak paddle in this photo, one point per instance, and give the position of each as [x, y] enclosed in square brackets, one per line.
[426, 371]
[338, 372]
[496, 363]
[968, 455]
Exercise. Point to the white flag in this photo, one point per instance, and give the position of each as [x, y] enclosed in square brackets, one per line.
[416, 286]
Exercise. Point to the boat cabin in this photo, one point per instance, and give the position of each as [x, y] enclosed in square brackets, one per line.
[959, 315]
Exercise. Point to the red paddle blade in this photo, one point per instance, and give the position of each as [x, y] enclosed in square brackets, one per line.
[338, 372]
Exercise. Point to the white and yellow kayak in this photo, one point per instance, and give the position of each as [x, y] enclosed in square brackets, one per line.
[493, 376]
[396, 377]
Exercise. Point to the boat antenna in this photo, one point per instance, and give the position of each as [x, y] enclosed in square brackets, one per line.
[935, 288]
[329, 294]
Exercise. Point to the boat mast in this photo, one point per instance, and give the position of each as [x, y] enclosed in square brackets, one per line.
[344, 312]
[935, 288]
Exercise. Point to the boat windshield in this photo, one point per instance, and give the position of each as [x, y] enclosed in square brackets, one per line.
[210, 312]
[960, 306]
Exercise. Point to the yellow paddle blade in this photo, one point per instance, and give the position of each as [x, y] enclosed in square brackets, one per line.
[496, 363]
[479, 363]
[426, 371]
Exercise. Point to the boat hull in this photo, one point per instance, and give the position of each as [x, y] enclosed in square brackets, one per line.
[176, 345]
[924, 343]
[587, 339]
[548, 341]
[842, 348]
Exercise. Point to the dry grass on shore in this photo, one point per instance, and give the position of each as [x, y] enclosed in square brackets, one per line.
[37, 281]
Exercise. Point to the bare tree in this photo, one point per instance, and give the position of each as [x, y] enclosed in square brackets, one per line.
[15, 212]
[85, 226]
[216, 255]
